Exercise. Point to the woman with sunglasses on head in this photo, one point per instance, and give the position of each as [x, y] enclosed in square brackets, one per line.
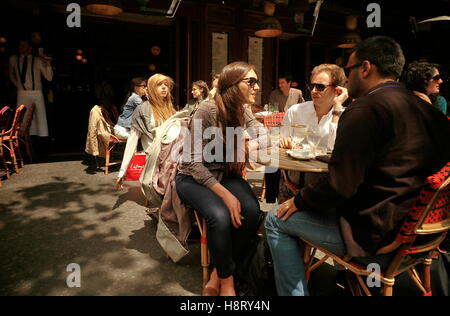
[133, 99]
[424, 80]
[147, 117]
[212, 183]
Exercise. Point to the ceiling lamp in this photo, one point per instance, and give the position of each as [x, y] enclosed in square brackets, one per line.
[352, 37]
[105, 7]
[270, 26]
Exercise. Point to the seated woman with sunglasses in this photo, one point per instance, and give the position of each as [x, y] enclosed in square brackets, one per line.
[320, 115]
[133, 99]
[424, 80]
[212, 183]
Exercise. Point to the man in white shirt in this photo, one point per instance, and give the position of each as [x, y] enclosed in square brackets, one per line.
[25, 72]
[321, 115]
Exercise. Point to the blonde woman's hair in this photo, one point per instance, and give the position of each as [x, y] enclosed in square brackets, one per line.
[162, 108]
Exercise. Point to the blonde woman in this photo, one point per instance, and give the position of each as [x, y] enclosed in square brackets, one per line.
[146, 117]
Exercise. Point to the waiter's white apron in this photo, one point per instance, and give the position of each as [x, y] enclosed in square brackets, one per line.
[39, 121]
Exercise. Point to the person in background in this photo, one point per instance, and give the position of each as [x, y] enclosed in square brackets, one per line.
[147, 116]
[25, 71]
[216, 188]
[133, 99]
[424, 80]
[388, 142]
[213, 90]
[285, 96]
[200, 92]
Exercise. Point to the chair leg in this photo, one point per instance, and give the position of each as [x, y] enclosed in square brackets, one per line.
[6, 166]
[28, 148]
[388, 290]
[19, 153]
[107, 156]
[427, 277]
[263, 189]
[204, 254]
[13, 156]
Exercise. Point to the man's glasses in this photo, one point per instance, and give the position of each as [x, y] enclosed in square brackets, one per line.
[349, 69]
[142, 85]
[252, 81]
[318, 86]
[436, 78]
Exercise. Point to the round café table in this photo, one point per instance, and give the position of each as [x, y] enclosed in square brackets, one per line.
[285, 162]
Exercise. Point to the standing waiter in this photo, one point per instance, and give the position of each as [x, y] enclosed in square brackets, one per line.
[25, 72]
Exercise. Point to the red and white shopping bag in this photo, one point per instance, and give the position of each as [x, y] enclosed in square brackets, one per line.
[135, 167]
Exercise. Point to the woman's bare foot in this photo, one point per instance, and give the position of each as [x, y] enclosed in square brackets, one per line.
[227, 287]
[212, 288]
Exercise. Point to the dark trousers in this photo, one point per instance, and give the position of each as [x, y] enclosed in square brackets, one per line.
[225, 242]
[272, 184]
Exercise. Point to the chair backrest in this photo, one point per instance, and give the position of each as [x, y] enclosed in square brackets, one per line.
[6, 114]
[29, 119]
[273, 120]
[430, 213]
[17, 122]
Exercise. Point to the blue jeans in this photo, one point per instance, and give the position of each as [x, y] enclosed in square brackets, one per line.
[225, 242]
[321, 228]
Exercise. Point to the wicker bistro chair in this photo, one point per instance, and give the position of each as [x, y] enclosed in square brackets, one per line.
[10, 138]
[24, 134]
[417, 242]
[112, 143]
[270, 121]
[6, 114]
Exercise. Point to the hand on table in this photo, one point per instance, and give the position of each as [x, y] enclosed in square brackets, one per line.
[286, 143]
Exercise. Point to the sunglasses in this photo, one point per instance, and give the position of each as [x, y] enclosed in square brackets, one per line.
[436, 78]
[349, 69]
[252, 81]
[318, 86]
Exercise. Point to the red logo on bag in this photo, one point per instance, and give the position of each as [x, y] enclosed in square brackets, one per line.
[135, 167]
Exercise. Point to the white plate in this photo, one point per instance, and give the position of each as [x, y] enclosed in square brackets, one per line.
[300, 155]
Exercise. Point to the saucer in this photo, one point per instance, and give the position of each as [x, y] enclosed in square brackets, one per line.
[300, 154]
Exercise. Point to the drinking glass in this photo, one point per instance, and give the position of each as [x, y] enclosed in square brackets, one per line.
[314, 138]
[274, 107]
[298, 134]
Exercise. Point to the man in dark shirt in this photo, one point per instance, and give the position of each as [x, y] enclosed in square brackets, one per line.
[388, 141]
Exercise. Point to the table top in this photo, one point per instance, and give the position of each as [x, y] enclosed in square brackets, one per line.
[285, 162]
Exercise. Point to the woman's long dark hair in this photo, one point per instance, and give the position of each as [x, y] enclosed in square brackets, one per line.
[230, 103]
[133, 83]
